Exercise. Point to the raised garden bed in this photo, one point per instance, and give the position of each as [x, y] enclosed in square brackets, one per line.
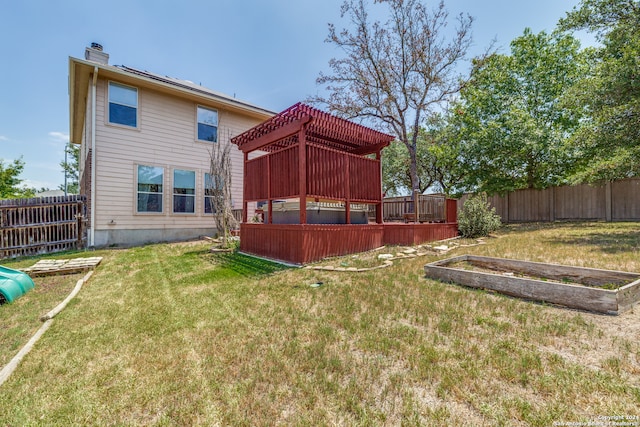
[604, 291]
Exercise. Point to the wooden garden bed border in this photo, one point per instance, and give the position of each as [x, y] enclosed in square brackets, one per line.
[571, 295]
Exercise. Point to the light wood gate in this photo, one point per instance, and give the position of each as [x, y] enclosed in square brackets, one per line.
[42, 225]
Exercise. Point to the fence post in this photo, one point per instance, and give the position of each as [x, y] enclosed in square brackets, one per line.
[506, 205]
[416, 205]
[80, 222]
[608, 200]
[552, 203]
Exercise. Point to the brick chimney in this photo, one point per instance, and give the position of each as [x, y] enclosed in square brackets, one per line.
[95, 54]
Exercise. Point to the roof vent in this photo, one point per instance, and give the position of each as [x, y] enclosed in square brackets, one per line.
[95, 54]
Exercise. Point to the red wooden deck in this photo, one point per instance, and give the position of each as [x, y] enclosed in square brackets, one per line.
[305, 243]
[308, 154]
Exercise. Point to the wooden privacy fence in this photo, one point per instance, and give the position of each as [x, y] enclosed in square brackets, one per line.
[41, 225]
[614, 201]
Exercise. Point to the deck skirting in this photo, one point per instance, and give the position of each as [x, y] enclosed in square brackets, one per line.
[305, 243]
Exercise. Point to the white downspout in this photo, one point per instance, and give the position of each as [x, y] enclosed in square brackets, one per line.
[92, 231]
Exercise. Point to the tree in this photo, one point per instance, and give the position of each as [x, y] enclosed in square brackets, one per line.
[70, 169]
[10, 182]
[396, 176]
[218, 190]
[447, 170]
[511, 123]
[610, 139]
[436, 169]
[399, 72]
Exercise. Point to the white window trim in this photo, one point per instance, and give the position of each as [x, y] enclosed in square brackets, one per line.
[107, 109]
[136, 192]
[204, 141]
[195, 192]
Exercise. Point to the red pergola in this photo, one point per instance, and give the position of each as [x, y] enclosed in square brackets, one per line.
[306, 154]
[312, 155]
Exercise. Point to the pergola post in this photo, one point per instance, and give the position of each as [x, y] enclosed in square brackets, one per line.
[380, 204]
[347, 189]
[302, 174]
[244, 189]
[269, 198]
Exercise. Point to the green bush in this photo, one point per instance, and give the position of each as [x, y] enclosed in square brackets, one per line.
[477, 218]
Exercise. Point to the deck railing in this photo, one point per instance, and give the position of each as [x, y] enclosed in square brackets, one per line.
[430, 208]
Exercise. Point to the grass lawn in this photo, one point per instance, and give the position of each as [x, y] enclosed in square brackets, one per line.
[172, 334]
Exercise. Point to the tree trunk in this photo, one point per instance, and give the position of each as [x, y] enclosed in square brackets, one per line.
[413, 168]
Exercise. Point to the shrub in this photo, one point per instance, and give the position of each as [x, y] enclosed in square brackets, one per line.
[477, 218]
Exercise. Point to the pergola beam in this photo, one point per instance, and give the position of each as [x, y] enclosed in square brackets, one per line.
[282, 132]
[369, 149]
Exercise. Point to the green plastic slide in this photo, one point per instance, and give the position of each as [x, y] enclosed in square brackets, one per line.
[13, 284]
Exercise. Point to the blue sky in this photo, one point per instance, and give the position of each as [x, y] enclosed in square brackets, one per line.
[267, 52]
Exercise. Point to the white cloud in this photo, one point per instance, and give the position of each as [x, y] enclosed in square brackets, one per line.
[59, 136]
[3, 138]
[37, 184]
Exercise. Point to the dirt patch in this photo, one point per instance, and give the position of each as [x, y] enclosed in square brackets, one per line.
[624, 326]
[607, 347]
[471, 266]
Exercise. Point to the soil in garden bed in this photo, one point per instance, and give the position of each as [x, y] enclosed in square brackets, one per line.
[485, 267]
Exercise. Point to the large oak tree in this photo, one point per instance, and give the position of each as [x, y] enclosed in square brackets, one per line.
[398, 72]
[610, 94]
[511, 125]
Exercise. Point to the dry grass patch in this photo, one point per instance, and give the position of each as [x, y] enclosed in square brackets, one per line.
[21, 319]
[175, 335]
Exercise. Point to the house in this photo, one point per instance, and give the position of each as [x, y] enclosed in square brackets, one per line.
[145, 151]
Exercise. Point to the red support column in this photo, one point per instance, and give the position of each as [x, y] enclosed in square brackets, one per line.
[347, 188]
[244, 188]
[380, 205]
[452, 210]
[302, 174]
[269, 200]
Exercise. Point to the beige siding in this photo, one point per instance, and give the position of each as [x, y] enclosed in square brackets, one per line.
[85, 141]
[165, 137]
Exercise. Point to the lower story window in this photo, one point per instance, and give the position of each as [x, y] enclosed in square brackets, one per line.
[150, 180]
[212, 189]
[184, 191]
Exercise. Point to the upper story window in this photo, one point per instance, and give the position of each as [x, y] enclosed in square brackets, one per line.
[184, 191]
[207, 124]
[150, 180]
[123, 104]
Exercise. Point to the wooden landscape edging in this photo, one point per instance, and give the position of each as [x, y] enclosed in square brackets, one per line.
[571, 295]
